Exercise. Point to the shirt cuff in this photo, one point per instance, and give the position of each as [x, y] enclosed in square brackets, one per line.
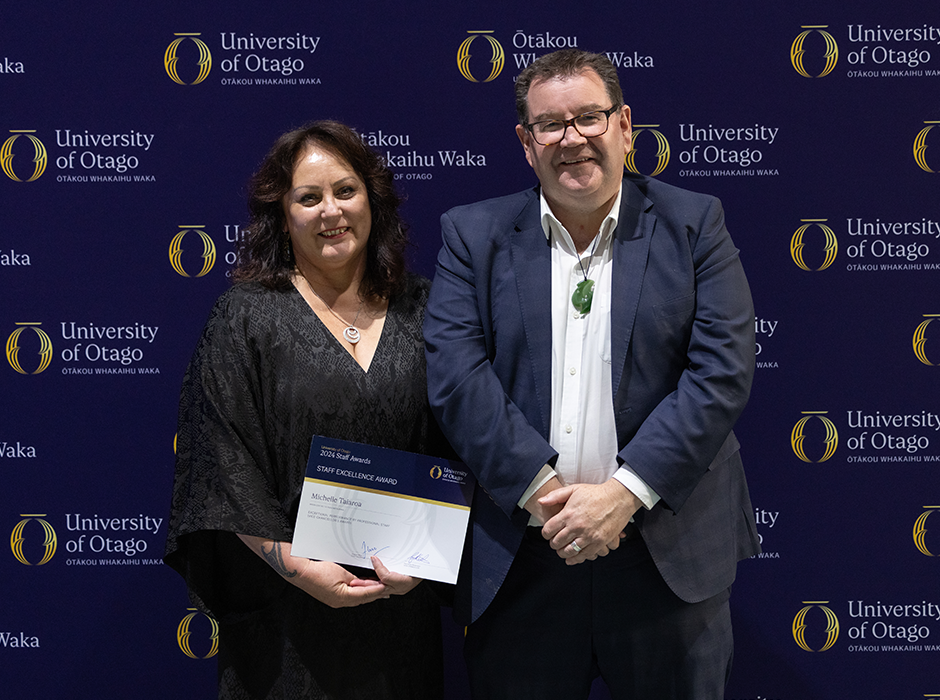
[545, 473]
[636, 486]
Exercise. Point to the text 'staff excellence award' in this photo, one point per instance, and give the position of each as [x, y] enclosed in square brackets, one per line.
[359, 501]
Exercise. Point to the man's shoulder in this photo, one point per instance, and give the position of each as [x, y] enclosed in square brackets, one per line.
[507, 207]
[664, 195]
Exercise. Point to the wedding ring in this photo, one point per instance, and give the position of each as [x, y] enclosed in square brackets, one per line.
[575, 547]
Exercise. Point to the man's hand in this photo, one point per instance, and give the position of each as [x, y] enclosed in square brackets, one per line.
[591, 519]
[534, 505]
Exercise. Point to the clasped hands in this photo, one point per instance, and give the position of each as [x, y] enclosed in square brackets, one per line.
[583, 521]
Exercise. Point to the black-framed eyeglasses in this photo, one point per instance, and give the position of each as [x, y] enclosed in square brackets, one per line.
[589, 125]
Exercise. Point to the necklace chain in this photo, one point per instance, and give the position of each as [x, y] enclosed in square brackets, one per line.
[350, 332]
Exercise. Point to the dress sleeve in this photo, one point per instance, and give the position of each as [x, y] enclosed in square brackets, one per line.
[225, 481]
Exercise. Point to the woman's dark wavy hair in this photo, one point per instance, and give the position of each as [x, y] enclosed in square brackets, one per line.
[264, 255]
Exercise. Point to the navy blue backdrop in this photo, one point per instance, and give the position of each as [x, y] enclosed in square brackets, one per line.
[127, 135]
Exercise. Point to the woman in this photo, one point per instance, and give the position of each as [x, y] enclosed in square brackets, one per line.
[320, 335]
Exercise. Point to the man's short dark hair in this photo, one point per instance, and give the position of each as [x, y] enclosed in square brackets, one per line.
[566, 63]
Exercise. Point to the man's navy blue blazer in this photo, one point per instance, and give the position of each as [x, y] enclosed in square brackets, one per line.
[682, 361]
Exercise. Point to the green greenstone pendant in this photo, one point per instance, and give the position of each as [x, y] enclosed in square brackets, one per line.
[582, 297]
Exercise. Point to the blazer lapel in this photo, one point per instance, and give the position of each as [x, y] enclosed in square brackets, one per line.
[631, 251]
[532, 266]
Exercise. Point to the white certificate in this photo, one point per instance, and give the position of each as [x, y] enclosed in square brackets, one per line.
[359, 501]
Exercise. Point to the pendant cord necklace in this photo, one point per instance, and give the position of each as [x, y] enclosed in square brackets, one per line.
[350, 332]
[584, 292]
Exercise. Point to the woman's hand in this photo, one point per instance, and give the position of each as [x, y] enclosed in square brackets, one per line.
[335, 586]
[329, 583]
[395, 584]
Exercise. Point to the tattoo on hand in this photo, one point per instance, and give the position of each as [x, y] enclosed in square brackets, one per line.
[275, 558]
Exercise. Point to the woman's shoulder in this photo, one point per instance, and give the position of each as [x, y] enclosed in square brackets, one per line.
[414, 291]
[247, 308]
[245, 297]
[417, 284]
[408, 304]
[247, 315]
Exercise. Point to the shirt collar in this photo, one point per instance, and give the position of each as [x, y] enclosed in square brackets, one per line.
[549, 221]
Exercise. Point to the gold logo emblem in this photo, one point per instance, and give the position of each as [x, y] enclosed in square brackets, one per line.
[797, 51]
[13, 348]
[497, 60]
[797, 436]
[799, 626]
[40, 158]
[183, 634]
[920, 147]
[920, 340]
[831, 247]
[920, 530]
[170, 58]
[662, 150]
[49, 542]
[176, 251]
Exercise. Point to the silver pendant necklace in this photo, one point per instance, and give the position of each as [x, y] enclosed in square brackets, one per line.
[350, 332]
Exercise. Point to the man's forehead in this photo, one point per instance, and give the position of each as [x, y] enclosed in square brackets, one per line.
[583, 91]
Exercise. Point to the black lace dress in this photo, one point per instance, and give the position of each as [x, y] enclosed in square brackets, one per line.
[266, 376]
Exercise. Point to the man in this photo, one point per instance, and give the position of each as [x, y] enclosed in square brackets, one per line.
[590, 345]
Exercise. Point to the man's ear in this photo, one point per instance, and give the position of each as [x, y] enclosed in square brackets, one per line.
[626, 126]
[525, 138]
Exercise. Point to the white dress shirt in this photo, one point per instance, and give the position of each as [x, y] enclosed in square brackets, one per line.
[582, 429]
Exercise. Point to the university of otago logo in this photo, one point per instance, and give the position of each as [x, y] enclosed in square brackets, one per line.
[176, 251]
[15, 349]
[17, 539]
[798, 245]
[171, 59]
[798, 436]
[920, 340]
[436, 472]
[40, 157]
[920, 147]
[497, 56]
[662, 149]
[920, 530]
[799, 626]
[798, 52]
[184, 634]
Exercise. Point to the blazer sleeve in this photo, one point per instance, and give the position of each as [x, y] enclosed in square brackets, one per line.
[467, 393]
[710, 356]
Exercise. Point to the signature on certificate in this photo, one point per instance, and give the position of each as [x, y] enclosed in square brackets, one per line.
[368, 551]
[417, 556]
